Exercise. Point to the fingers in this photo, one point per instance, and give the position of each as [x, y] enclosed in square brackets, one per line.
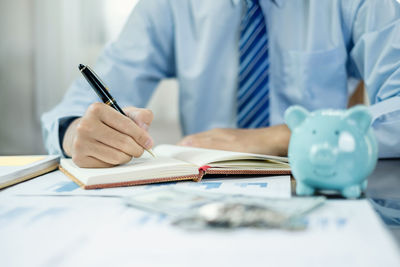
[223, 139]
[192, 140]
[86, 149]
[103, 137]
[120, 123]
[142, 117]
[107, 154]
[90, 162]
[208, 139]
[110, 137]
[273, 140]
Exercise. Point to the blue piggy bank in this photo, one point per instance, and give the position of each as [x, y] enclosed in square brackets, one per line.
[331, 149]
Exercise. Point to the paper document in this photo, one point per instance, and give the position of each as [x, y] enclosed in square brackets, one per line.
[57, 183]
[341, 233]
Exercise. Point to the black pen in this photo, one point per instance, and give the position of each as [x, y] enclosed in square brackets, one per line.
[102, 91]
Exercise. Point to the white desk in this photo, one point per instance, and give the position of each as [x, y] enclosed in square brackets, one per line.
[102, 231]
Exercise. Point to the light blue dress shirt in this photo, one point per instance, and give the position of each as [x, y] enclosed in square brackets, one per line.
[316, 47]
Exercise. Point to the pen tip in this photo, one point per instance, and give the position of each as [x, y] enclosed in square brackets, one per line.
[81, 66]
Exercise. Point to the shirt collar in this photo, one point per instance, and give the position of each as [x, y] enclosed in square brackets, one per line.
[277, 2]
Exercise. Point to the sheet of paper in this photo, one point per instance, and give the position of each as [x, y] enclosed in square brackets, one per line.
[92, 231]
[48, 230]
[342, 233]
[269, 186]
[57, 183]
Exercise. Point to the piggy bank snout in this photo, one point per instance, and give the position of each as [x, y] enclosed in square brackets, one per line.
[323, 154]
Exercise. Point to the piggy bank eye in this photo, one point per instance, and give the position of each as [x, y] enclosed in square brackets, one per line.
[346, 142]
[314, 131]
[337, 132]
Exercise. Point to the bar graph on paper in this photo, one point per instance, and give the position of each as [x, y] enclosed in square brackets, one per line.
[58, 184]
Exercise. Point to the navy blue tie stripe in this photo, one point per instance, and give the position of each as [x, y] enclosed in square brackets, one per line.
[249, 108]
[253, 92]
[257, 52]
[245, 97]
[251, 76]
[258, 32]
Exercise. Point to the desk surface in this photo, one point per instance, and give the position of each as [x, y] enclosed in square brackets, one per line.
[102, 231]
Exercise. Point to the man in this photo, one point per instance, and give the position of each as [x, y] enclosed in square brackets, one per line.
[240, 64]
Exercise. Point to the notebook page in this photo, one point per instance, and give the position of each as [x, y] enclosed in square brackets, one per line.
[201, 156]
[135, 170]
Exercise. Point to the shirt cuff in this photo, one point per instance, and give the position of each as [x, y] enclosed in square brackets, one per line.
[63, 125]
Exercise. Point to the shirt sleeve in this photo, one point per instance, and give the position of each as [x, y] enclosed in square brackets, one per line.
[376, 57]
[62, 128]
[131, 66]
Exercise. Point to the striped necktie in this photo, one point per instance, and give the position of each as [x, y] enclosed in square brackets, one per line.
[253, 92]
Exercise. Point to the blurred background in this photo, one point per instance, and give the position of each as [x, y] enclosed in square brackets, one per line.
[42, 43]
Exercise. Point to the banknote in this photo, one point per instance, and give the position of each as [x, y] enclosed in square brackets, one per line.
[196, 209]
[171, 201]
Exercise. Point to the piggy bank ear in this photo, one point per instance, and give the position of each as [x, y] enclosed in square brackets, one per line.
[294, 116]
[360, 117]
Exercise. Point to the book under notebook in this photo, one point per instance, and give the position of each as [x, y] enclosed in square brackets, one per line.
[17, 169]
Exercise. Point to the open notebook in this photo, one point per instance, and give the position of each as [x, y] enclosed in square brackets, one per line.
[175, 163]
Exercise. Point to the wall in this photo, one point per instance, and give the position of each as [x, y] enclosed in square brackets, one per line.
[19, 128]
[42, 43]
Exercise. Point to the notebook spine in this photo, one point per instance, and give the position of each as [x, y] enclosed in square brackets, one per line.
[209, 170]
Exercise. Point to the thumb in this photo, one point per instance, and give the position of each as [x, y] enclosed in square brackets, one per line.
[141, 116]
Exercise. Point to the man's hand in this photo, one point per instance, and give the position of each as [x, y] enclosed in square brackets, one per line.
[103, 137]
[273, 140]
